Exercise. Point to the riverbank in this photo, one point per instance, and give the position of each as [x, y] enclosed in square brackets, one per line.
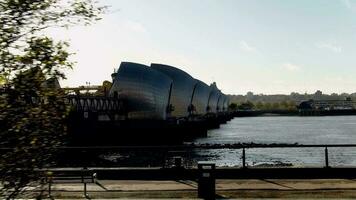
[308, 112]
[252, 188]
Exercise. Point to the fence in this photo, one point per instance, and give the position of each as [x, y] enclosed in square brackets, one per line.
[164, 156]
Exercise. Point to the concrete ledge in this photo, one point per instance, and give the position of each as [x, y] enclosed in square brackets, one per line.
[220, 173]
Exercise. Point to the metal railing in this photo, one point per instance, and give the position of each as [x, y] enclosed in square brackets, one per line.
[243, 147]
[94, 103]
[170, 149]
[326, 152]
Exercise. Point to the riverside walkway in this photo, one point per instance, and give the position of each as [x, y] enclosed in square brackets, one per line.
[235, 189]
[326, 181]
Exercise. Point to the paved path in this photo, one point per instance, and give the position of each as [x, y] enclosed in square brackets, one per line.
[271, 188]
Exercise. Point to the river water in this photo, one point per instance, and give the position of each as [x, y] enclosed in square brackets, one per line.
[258, 130]
[272, 129]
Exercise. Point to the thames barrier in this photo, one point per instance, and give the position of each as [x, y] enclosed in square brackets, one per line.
[157, 104]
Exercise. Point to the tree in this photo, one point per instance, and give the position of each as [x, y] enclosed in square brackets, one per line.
[259, 105]
[233, 106]
[283, 105]
[292, 105]
[248, 105]
[275, 106]
[32, 114]
[2, 80]
[267, 106]
[104, 89]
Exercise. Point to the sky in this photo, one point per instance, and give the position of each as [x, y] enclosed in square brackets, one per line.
[269, 47]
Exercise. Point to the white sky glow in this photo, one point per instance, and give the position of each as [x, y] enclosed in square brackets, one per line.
[260, 46]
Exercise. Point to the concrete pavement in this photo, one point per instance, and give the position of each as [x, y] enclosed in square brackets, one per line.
[252, 188]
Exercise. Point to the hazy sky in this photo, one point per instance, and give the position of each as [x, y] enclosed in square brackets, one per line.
[274, 46]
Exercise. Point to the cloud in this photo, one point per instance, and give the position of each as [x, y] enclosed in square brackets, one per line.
[291, 67]
[134, 26]
[330, 46]
[246, 47]
[349, 4]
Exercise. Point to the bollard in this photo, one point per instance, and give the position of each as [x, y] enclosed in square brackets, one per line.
[206, 180]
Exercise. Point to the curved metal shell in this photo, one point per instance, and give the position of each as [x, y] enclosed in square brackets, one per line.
[224, 106]
[144, 90]
[182, 89]
[226, 103]
[220, 103]
[213, 100]
[201, 97]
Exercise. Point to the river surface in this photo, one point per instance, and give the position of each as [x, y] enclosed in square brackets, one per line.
[258, 130]
[272, 129]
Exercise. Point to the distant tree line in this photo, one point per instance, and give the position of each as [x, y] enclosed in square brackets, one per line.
[252, 101]
[248, 105]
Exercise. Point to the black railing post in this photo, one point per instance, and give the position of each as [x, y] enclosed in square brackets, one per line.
[49, 189]
[85, 189]
[243, 158]
[326, 157]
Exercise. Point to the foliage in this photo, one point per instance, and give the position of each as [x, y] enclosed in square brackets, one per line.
[286, 102]
[293, 97]
[32, 114]
[233, 106]
[246, 106]
[283, 105]
[2, 80]
[104, 89]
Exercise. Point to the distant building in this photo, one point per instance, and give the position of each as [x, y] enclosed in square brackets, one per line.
[306, 105]
[346, 104]
[318, 94]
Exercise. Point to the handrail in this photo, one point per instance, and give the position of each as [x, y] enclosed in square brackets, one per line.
[215, 146]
